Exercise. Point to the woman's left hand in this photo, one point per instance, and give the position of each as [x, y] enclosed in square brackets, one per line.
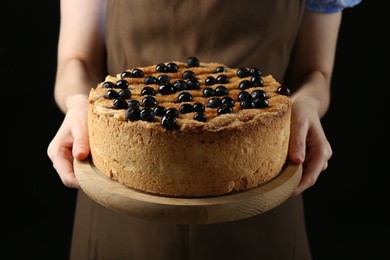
[308, 143]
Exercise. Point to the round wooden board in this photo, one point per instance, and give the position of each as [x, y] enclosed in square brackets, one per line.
[234, 206]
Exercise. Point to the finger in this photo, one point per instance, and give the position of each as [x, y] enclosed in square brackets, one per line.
[297, 145]
[311, 171]
[59, 152]
[316, 162]
[63, 164]
[80, 144]
[81, 148]
[325, 166]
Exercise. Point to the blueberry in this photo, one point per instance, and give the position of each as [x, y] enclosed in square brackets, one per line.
[193, 62]
[199, 107]
[163, 78]
[188, 74]
[193, 83]
[126, 74]
[224, 109]
[210, 80]
[108, 84]
[255, 72]
[172, 111]
[260, 103]
[222, 91]
[146, 114]
[258, 93]
[133, 103]
[150, 80]
[200, 117]
[180, 85]
[284, 91]
[149, 101]
[159, 110]
[222, 79]
[243, 95]
[242, 72]
[245, 84]
[120, 103]
[247, 104]
[184, 97]
[257, 81]
[148, 91]
[220, 69]
[132, 114]
[228, 101]
[111, 94]
[125, 93]
[137, 73]
[214, 102]
[122, 84]
[161, 67]
[186, 108]
[168, 121]
[172, 67]
[166, 89]
[209, 92]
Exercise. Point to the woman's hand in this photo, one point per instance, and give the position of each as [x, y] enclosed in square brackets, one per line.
[70, 142]
[308, 143]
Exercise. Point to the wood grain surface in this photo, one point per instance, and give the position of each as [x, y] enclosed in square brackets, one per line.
[234, 206]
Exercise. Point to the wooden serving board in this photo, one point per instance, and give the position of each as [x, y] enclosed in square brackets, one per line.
[234, 206]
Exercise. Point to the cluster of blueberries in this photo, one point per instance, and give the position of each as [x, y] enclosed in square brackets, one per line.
[219, 98]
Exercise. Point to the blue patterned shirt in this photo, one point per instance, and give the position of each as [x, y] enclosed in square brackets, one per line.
[329, 6]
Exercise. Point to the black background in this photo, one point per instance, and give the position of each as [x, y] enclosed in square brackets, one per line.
[346, 210]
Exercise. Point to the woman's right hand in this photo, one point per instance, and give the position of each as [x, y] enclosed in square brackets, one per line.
[70, 142]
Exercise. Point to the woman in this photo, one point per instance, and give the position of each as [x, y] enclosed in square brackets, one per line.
[295, 41]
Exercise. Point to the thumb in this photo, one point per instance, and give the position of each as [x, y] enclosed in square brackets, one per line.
[81, 148]
[297, 145]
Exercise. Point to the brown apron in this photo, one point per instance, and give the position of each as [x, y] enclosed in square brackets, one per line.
[237, 33]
